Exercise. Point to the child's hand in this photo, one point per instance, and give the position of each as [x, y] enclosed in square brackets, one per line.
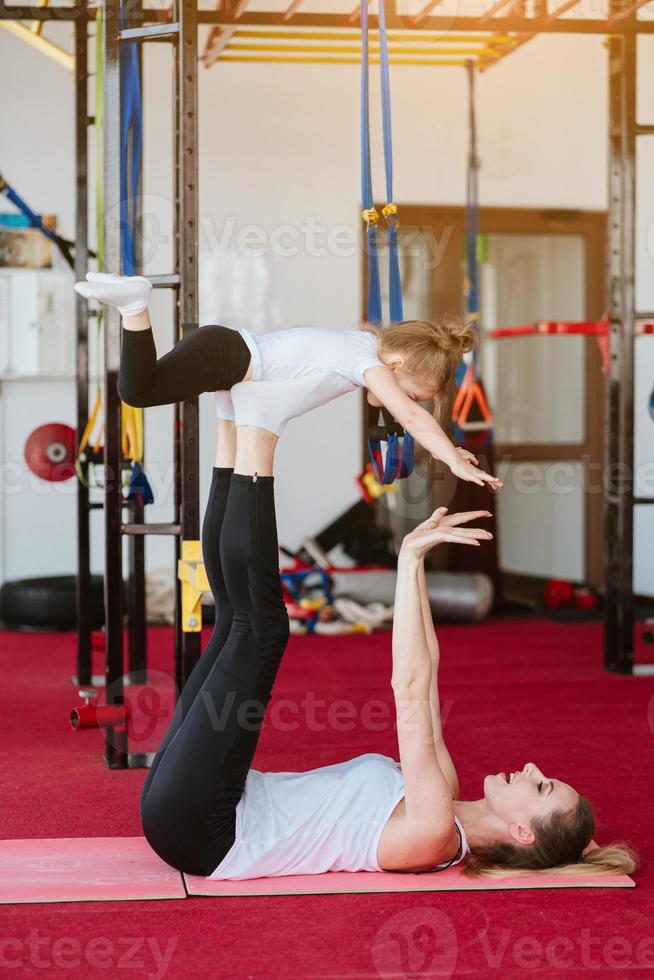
[465, 454]
[466, 468]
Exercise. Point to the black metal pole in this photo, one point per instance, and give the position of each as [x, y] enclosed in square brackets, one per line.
[619, 419]
[137, 654]
[187, 461]
[83, 673]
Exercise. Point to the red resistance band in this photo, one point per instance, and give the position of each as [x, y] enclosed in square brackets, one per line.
[597, 328]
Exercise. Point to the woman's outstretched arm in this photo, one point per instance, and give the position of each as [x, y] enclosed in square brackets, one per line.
[428, 825]
[442, 752]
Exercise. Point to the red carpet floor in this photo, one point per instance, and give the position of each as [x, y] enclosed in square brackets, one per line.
[513, 692]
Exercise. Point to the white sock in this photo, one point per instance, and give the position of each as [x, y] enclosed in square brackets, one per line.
[130, 294]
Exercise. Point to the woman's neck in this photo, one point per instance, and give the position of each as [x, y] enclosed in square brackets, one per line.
[480, 824]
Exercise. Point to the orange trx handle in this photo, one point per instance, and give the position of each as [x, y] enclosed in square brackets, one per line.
[471, 394]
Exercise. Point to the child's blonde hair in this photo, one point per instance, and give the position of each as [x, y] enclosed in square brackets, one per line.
[430, 351]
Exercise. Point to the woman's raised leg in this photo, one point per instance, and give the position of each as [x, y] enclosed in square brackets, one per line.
[211, 530]
[189, 812]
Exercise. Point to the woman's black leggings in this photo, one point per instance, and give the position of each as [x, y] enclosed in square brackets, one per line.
[211, 358]
[188, 805]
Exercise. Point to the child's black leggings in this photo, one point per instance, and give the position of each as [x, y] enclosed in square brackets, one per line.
[211, 358]
[188, 805]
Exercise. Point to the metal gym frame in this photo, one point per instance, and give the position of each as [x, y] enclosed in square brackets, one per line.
[182, 33]
[241, 33]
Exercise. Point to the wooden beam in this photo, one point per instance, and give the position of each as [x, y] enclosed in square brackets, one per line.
[291, 9]
[628, 11]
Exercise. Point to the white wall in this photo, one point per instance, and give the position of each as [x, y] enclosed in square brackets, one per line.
[279, 146]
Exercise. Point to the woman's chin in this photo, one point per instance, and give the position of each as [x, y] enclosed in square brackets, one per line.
[493, 783]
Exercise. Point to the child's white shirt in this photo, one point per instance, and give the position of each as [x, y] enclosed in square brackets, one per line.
[294, 371]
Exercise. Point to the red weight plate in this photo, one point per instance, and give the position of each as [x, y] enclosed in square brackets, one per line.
[50, 452]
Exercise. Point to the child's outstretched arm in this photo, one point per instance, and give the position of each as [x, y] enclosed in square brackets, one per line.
[424, 427]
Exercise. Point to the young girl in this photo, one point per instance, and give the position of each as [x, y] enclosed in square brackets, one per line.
[295, 370]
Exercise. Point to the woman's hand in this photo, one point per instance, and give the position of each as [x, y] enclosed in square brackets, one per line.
[440, 528]
[466, 468]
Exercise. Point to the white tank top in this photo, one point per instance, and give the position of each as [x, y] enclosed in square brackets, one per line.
[297, 370]
[327, 819]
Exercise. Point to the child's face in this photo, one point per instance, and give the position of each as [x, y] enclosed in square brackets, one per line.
[418, 389]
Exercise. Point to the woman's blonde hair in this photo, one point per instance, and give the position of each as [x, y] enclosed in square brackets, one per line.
[430, 351]
[559, 847]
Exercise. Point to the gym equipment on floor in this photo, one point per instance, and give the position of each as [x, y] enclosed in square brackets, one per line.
[48, 603]
[93, 715]
[453, 596]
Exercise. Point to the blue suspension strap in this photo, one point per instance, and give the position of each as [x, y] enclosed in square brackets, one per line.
[369, 214]
[470, 412]
[131, 156]
[131, 146]
[398, 463]
[390, 210]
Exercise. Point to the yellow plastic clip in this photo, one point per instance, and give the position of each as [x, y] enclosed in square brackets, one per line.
[370, 216]
[390, 212]
[313, 605]
[374, 487]
[192, 574]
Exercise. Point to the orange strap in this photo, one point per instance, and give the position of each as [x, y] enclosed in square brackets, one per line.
[470, 393]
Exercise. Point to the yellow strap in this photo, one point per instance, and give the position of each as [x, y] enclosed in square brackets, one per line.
[370, 216]
[100, 440]
[132, 433]
[390, 211]
[90, 425]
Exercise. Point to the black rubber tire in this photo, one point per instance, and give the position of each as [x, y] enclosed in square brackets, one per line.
[48, 603]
